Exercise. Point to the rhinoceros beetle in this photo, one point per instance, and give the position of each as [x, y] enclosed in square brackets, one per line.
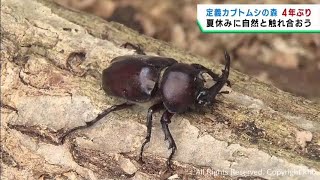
[173, 87]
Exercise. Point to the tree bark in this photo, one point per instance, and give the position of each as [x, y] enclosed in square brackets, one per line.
[51, 61]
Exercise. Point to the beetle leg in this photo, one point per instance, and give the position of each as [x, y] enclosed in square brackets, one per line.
[224, 92]
[165, 120]
[99, 117]
[152, 109]
[203, 69]
[160, 62]
[137, 48]
[214, 76]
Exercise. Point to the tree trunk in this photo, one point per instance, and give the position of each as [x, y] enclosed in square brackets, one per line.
[51, 61]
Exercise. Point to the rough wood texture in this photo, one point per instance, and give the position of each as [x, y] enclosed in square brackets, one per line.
[45, 51]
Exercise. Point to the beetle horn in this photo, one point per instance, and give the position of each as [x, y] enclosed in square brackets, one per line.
[221, 81]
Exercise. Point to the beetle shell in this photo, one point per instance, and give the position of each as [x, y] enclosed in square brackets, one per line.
[179, 87]
[131, 79]
[134, 78]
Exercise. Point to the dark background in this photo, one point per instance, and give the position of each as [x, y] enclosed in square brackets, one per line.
[289, 61]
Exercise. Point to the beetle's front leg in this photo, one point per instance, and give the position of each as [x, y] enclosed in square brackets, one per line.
[137, 48]
[214, 90]
[213, 75]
